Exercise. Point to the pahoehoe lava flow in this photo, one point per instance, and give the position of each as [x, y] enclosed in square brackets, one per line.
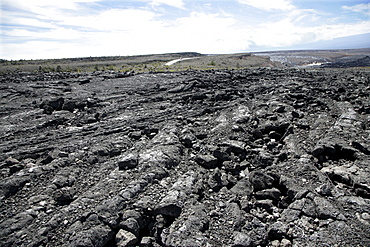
[250, 157]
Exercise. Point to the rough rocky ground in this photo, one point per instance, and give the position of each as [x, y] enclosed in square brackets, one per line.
[259, 157]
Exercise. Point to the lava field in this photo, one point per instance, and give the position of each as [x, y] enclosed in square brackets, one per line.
[252, 157]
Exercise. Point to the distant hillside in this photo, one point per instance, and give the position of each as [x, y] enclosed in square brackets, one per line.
[141, 63]
[293, 58]
[352, 61]
[197, 61]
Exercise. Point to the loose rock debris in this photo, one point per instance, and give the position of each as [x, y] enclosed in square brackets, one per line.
[254, 157]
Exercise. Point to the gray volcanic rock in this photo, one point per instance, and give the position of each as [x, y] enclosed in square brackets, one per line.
[207, 161]
[252, 157]
[128, 161]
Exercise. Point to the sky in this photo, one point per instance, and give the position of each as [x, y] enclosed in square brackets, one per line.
[47, 29]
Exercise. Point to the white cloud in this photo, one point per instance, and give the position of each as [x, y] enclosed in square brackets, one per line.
[363, 8]
[174, 3]
[45, 49]
[129, 33]
[328, 32]
[207, 32]
[285, 33]
[269, 5]
[26, 21]
[36, 4]
[59, 33]
[115, 20]
[40, 13]
[45, 30]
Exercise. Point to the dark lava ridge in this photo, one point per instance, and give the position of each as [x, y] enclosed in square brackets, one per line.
[255, 157]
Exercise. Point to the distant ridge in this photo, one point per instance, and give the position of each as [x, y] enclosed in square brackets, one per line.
[346, 62]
